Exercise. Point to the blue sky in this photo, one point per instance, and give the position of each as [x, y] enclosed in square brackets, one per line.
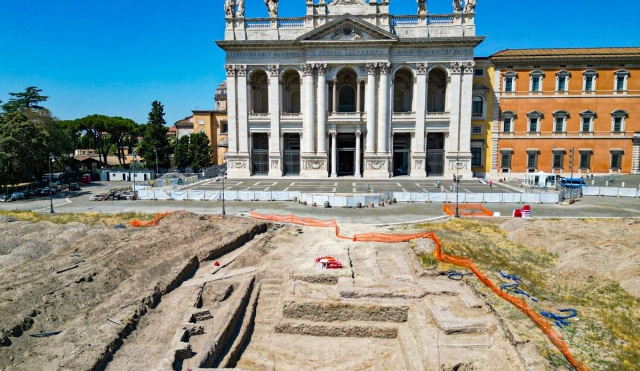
[115, 57]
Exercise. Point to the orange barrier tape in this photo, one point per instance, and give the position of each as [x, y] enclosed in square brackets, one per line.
[464, 262]
[467, 210]
[151, 223]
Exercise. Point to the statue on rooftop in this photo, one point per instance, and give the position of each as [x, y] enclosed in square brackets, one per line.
[240, 12]
[470, 6]
[457, 6]
[229, 8]
[422, 7]
[272, 7]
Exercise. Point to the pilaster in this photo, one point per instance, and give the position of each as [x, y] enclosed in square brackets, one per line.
[275, 155]
[418, 154]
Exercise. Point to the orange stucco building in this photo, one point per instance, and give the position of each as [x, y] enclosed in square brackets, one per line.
[555, 104]
[214, 124]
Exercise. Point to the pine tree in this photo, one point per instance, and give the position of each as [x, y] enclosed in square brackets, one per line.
[199, 151]
[154, 139]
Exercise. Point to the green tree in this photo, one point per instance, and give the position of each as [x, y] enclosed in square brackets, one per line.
[29, 99]
[120, 130]
[199, 151]
[154, 139]
[181, 156]
[94, 127]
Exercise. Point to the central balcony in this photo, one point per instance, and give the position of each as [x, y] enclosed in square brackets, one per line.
[347, 116]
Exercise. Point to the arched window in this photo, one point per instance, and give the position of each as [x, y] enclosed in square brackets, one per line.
[294, 102]
[478, 106]
[347, 101]
[399, 102]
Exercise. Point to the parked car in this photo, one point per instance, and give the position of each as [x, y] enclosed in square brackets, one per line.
[74, 187]
[28, 193]
[5, 198]
[44, 191]
[17, 196]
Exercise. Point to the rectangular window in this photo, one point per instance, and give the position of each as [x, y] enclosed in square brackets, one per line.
[559, 127]
[508, 84]
[532, 160]
[562, 83]
[476, 130]
[478, 72]
[557, 161]
[201, 121]
[588, 83]
[619, 83]
[584, 160]
[535, 84]
[586, 124]
[225, 128]
[533, 125]
[616, 160]
[476, 156]
[617, 124]
[505, 161]
[506, 125]
[477, 108]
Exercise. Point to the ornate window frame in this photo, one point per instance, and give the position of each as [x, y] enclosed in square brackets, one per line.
[536, 75]
[512, 77]
[537, 116]
[508, 117]
[587, 115]
[589, 74]
[560, 117]
[562, 75]
[620, 74]
[618, 115]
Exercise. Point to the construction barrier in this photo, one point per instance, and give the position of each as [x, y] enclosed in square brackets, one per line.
[467, 210]
[151, 223]
[463, 262]
[549, 198]
[627, 192]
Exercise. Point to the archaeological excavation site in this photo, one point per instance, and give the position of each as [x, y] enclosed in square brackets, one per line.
[200, 292]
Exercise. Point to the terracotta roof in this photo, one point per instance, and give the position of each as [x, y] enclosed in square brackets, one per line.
[555, 54]
[172, 129]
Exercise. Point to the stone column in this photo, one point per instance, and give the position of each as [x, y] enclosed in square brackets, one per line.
[322, 110]
[358, 173]
[232, 118]
[308, 115]
[335, 96]
[275, 158]
[358, 96]
[458, 148]
[370, 105]
[421, 107]
[243, 128]
[383, 110]
[334, 155]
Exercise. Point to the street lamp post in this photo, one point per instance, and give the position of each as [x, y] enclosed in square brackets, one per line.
[51, 159]
[156, 151]
[133, 164]
[457, 183]
[223, 175]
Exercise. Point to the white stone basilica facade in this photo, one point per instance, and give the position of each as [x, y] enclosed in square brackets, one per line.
[349, 90]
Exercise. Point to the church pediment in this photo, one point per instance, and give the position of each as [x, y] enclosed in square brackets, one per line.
[347, 28]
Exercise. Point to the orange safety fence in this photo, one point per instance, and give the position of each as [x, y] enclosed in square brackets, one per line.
[464, 262]
[467, 210]
[151, 223]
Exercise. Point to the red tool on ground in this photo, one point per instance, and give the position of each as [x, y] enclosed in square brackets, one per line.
[328, 262]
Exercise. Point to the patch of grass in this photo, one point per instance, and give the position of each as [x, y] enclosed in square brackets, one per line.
[90, 219]
[605, 333]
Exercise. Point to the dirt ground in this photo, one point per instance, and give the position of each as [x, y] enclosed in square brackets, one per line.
[200, 292]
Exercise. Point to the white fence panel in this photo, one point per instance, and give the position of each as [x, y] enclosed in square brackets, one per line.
[437, 197]
[420, 197]
[512, 198]
[280, 196]
[162, 195]
[338, 201]
[245, 195]
[627, 192]
[474, 198]
[609, 191]
[230, 195]
[178, 195]
[195, 195]
[145, 194]
[319, 199]
[361, 199]
[549, 198]
[402, 196]
[451, 197]
[493, 198]
[295, 194]
[351, 201]
[305, 197]
[263, 196]
[530, 198]
[591, 191]
[212, 195]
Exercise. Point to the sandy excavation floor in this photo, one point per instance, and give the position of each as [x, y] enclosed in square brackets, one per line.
[154, 298]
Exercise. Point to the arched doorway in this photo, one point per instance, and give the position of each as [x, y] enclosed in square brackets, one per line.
[291, 92]
[259, 92]
[403, 91]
